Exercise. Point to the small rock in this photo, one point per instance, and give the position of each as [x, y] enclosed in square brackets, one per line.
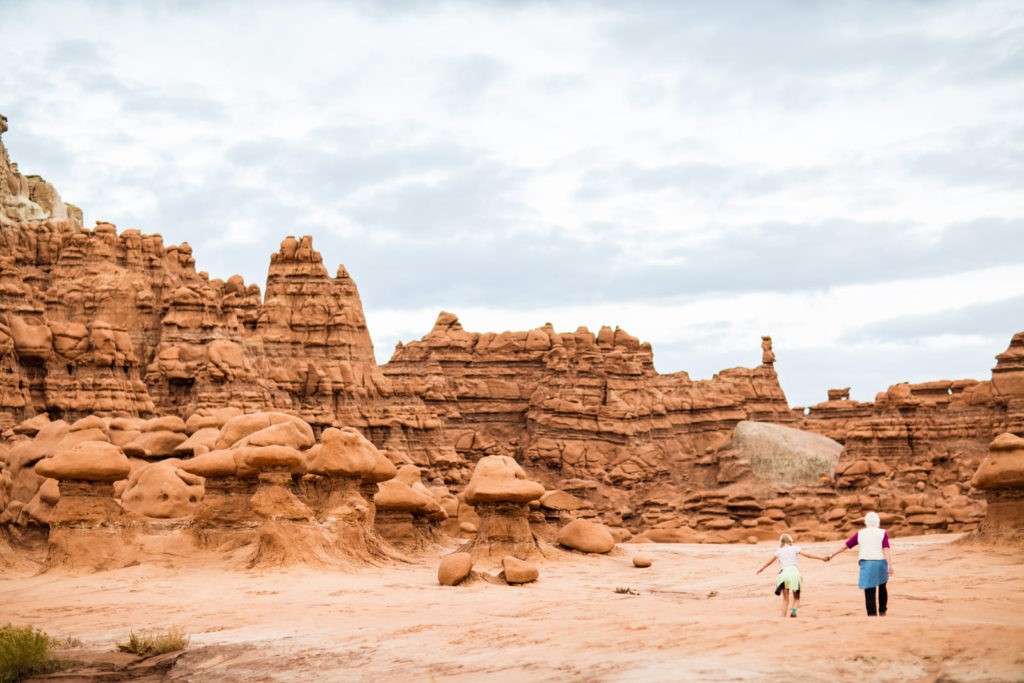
[518, 571]
[454, 569]
[639, 561]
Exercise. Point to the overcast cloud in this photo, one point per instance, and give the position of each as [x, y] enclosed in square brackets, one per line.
[843, 176]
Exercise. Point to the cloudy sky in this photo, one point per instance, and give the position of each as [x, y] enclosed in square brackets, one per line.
[845, 176]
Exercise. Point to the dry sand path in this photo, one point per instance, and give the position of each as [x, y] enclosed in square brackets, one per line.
[956, 613]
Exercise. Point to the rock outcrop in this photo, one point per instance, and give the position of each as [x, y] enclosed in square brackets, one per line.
[114, 337]
[1001, 478]
[500, 493]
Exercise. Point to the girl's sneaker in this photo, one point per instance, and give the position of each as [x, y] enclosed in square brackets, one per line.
[792, 613]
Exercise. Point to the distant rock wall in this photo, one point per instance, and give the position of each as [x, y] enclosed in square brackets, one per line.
[119, 325]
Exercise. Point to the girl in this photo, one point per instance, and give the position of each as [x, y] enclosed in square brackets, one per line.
[788, 581]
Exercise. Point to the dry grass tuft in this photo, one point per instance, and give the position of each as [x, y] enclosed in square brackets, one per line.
[150, 644]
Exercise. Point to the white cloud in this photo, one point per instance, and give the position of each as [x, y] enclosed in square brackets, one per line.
[691, 175]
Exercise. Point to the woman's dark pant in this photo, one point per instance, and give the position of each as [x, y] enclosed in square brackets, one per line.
[883, 600]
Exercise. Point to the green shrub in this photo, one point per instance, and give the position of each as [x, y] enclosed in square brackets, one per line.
[24, 651]
[149, 644]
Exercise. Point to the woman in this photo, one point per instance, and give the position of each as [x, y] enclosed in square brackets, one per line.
[875, 563]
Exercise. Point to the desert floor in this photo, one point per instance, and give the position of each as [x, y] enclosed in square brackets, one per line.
[956, 613]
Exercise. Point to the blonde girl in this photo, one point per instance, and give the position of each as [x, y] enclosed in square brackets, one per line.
[788, 581]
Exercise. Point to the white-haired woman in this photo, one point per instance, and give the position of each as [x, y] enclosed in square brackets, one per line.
[789, 580]
[875, 563]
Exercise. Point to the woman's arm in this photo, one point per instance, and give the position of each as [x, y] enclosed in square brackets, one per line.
[841, 550]
[888, 560]
[766, 564]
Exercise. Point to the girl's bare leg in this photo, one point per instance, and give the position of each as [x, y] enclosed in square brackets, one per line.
[785, 601]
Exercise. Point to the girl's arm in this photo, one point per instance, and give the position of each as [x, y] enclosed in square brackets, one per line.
[813, 557]
[766, 564]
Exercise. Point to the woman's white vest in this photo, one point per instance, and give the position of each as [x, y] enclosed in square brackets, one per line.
[869, 541]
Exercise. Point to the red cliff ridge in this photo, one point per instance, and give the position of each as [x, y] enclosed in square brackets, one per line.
[112, 344]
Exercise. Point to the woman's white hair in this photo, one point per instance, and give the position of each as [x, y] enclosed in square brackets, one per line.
[871, 519]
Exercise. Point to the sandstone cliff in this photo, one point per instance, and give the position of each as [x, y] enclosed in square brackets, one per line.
[118, 325]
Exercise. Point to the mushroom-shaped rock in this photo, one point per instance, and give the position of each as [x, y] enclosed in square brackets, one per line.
[162, 490]
[87, 526]
[88, 461]
[518, 571]
[586, 536]
[500, 479]
[1003, 468]
[454, 568]
[1001, 477]
[500, 495]
[404, 512]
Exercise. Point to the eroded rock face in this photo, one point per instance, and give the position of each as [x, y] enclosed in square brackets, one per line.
[109, 336]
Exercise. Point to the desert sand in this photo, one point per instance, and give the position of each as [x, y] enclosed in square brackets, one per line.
[956, 614]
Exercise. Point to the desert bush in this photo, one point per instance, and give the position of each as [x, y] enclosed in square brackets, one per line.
[149, 644]
[24, 651]
[626, 590]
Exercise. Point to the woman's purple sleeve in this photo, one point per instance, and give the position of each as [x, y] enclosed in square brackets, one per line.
[853, 541]
[885, 540]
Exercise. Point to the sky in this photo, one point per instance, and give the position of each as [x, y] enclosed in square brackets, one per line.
[847, 177]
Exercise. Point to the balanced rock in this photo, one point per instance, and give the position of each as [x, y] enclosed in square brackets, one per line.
[785, 455]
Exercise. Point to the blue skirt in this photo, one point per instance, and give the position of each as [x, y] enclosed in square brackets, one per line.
[872, 573]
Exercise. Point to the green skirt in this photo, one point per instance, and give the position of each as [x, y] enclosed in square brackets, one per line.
[789, 578]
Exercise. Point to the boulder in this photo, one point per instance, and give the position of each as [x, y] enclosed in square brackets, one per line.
[586, 536]
[518, 571]
[454, 569]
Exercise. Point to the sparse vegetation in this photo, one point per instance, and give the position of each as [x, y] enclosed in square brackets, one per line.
[150, 644]
[25, 651]
[712, 594]
[626, 590]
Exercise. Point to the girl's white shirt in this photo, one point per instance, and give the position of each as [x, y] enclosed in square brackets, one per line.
[787, 555]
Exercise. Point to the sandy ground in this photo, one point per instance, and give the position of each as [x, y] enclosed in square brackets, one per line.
[956, 614]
